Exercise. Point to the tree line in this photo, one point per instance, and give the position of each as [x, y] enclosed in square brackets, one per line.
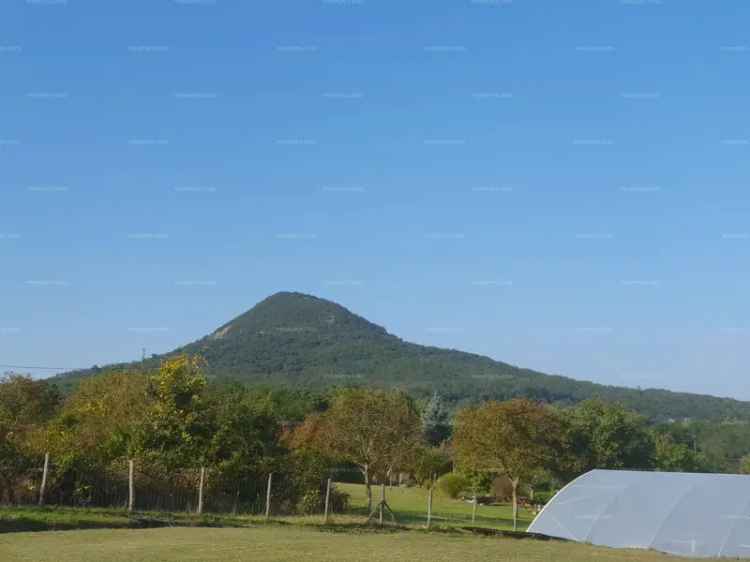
[172, 422]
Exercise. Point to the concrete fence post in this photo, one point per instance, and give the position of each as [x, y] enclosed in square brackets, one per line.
[200, 490]
[131, 485]
[43, 487]
[328, 499]
[268, 497]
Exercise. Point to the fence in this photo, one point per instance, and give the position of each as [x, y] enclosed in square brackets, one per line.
[138, 487]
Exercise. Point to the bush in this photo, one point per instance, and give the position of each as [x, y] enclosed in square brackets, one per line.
[543, 497]
[313, 501]
[453, 484]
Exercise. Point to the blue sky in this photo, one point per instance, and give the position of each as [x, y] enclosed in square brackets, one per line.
[559, 185]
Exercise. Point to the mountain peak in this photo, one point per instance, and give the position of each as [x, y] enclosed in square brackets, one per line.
[293, 312]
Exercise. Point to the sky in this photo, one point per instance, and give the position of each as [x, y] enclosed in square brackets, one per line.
[558, 185]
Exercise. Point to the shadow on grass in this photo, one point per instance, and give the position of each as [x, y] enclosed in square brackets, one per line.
[24, 524]
[442, 519]
[375, 528]
[16, 520]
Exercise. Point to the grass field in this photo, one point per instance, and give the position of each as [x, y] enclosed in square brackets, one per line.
[410, 505]
[107, 535]
[277, 542]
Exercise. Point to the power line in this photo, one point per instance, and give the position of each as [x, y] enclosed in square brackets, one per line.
[40, 368]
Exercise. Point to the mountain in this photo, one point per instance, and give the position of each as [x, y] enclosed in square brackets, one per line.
[304, 341]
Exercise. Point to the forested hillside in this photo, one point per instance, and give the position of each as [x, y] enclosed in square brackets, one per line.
[301, 340]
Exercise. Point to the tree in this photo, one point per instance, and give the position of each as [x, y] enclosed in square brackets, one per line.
[243, 444]
[602, 435]
[13, 460]
[435, 421]
[722, 444]
[313, 462]
[93, 431]
[25, 405]
[25, 401]
[175, 431]
[429, 463]
[376, 430]
[99, 418]
[514, 438]
[671, 456]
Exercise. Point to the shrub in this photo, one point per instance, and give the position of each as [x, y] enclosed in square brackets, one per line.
[313, 501]
[544, 496]
[453, 484]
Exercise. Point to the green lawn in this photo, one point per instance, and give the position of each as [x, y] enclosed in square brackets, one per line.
[276, 543]
[410, 506]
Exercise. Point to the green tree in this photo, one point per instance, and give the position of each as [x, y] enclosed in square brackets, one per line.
[176, 429]
[93, 430]
[672, 456]
[243, 445]
[25, 406]
[429, 463]
[722, 444]
[603, 435]
[745, 465]
[100, 417]
[25, 401]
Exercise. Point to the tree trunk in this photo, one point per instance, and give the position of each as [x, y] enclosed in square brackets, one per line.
[368, 488]
[514, 482]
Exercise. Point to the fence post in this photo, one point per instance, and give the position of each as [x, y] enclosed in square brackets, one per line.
[429, 502]
[474, 510]
[43, 487]
[328, 499]
[268, 497]
[200, 490]
[131, 485]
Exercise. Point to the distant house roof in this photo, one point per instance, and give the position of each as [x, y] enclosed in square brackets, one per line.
[694, 515]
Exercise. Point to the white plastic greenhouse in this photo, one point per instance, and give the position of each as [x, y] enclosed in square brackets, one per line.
[695, 515]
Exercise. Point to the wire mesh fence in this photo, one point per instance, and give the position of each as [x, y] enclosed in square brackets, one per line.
[339, 496]
[143, 487]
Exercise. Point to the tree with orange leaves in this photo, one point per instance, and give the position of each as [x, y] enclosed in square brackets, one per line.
[514, 439]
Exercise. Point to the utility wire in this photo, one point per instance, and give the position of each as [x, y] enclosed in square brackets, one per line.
[40, 368]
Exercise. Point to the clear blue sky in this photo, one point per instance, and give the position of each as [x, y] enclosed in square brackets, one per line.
[559, 185]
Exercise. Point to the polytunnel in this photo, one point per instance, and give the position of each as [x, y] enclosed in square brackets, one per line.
[694, 515]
